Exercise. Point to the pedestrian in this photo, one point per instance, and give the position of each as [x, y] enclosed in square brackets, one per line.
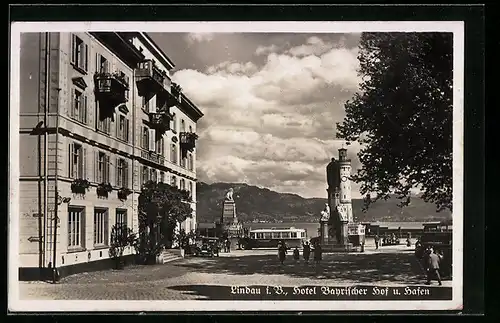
[377, 239]
[408, 242]
[296, 254]
[306, 252]
[317, 253]
[282, 252]
[228, 245]
[433, 262]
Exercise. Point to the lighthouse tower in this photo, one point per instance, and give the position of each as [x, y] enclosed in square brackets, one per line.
[344, 197]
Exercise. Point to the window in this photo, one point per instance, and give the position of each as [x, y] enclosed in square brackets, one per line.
[152, 175]
[285, 235]
[122, 128]
[183, 125]
[260, 235]
[121, 217]
[100, 227]
[190, 162]
[191, 188]
[160, 146]
[173, 153]
[184, 161]
[267, 235]
[145, 174]
[102, 64]
[276, 235]
[183, 184]
[174, 123]
[79, 53]
[102, 168]
[293, 234]
[145, 138]
[121, 172]
[76, 227]
[190, 129]
[173, 182]
[79, 106]
[162, 177]
[103, 123]
[77, 161]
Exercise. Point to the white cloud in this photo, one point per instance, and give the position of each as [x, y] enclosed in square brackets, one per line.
[199, 37]
[264, 50]
[273, 125]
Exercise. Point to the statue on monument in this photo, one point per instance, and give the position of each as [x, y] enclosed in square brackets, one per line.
[333, 174]
[229, 195]
[325, 214]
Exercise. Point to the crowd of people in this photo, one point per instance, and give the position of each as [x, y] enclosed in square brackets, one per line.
[307, 249]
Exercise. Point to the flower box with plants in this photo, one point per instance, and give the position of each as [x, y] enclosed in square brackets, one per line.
[123, 193]
[80, 186]
[104, 189]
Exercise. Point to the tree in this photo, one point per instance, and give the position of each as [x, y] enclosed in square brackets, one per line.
[121, 238]
[161, 208]
[402, 117]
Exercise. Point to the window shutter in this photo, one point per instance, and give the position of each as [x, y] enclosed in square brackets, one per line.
[84, 163]
[117, 127]
[106, 227]
[125, 176]
[73, 104]
[107, 67]
[70, 159]
[108, 169]
[97, 63]
[117, 173]
[141, 175]
[86, 57]
[73, 48]
[126, 129]
[151, 140]
[96, 166]
[85, 108]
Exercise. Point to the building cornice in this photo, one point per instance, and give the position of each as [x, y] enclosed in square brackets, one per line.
[189, 108]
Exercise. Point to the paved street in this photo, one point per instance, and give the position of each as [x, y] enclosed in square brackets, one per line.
[202, 278]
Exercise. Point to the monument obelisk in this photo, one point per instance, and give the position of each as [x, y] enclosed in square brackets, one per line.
[334, 226]
[229, 220]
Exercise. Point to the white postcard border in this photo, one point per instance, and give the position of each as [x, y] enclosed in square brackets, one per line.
[456, 27]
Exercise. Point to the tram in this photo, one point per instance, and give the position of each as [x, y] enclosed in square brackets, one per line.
[269, 238]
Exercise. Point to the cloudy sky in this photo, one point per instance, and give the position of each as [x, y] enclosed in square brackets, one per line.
[271, 102]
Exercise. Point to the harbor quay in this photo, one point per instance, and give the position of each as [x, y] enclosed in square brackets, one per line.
[198, 278]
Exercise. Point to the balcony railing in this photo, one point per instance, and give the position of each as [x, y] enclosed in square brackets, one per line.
[188, 140]
[150, 79]
[160, 121]
[153, 157]
[111, 87]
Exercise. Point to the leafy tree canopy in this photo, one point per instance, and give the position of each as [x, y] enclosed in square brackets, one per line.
[402, 116]
[160, 202]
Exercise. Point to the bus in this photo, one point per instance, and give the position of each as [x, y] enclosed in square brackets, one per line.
[270, 237]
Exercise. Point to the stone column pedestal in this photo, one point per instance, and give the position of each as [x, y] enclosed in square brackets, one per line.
[323, 225]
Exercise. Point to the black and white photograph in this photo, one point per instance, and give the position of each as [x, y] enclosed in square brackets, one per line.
[236, 166]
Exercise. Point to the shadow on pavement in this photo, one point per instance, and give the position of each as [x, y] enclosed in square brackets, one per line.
[362, 268]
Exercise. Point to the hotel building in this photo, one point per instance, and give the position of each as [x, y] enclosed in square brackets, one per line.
[99, 116]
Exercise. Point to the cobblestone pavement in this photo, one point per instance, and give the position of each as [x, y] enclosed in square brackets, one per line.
[191, 277]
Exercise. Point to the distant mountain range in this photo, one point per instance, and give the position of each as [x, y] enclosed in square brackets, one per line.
[261, 204]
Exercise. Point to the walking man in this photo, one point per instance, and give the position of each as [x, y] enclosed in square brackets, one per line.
[377, 239]
[433, 262]
[306, 252]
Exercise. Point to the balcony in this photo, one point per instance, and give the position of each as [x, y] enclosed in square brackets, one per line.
[153, 157]
[188, 140]
[111, 87]
[149, 78]
[160, 121]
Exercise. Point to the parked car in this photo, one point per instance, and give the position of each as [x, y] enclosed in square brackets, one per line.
[207, 247]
